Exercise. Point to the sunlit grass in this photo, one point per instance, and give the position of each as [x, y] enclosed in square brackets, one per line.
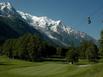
[19, 68]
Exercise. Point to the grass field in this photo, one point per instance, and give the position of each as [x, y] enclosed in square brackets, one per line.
[18, 68]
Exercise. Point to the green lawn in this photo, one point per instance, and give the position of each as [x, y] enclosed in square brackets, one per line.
[19, 68]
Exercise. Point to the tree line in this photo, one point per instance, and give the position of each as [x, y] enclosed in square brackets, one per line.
[32, 48]
[87, 50]
[27, 47]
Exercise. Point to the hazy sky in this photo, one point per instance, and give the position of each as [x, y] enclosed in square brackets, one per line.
[73, 13]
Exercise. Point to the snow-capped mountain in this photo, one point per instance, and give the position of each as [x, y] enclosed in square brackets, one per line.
[6, 9]
[57, 31]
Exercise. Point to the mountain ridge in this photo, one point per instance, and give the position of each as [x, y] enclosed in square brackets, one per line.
[54, 30]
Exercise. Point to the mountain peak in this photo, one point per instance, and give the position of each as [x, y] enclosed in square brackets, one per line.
[5, 5]
[6, 9]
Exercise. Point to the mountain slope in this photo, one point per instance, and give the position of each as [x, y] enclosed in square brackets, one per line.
[12, 24]
[6, 31]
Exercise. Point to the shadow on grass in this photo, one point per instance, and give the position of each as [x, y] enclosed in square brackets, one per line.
[2, 63]
[54, 60]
